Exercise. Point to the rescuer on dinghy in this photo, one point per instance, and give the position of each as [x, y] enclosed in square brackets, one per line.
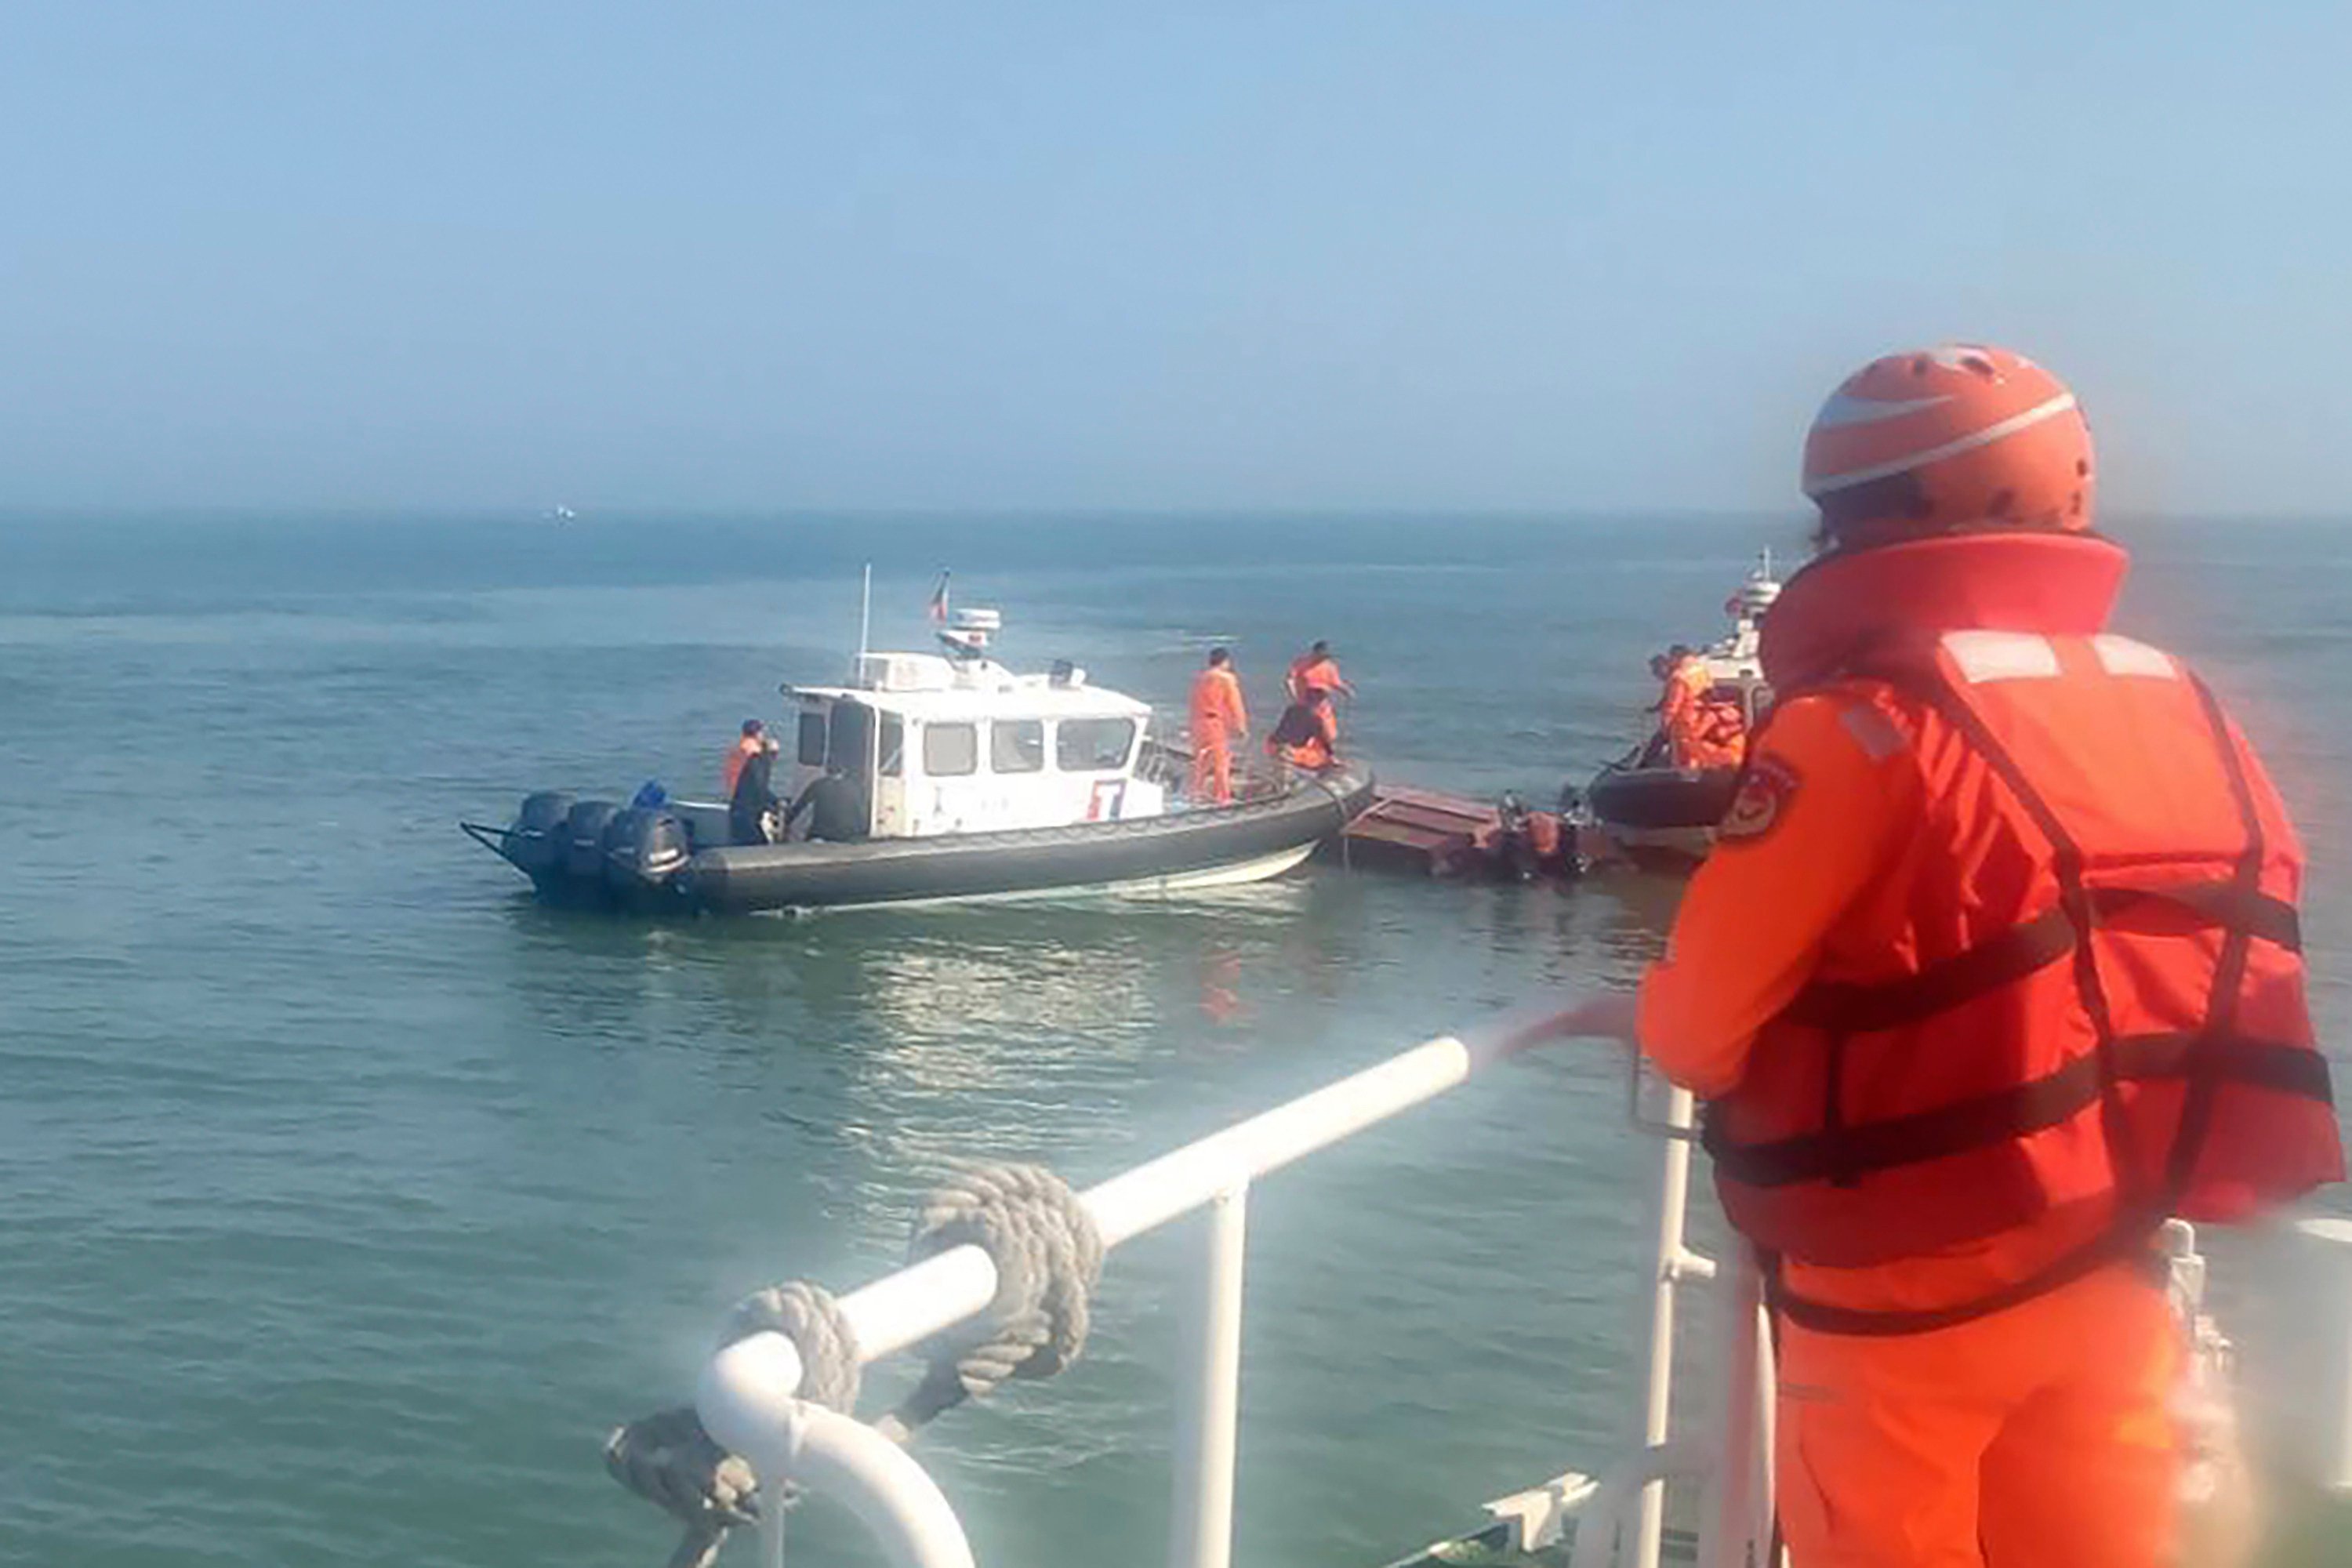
[749, 744]
[1995, 965]
[1316, 669]
[1306, 737]
[1701, 730]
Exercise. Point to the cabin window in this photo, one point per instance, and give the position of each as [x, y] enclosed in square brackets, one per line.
[813, 738]
[894, 746]
[1017, 745]
[950, 750]
[1093, 745]
[852, 733]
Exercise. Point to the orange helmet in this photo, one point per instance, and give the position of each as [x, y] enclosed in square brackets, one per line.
[1955, 439]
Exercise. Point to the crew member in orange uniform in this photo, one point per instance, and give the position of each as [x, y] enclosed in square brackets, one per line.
[1995, 965]
[1701, 732]
[1307, 737]
[750, 744]
[1219, 721]
[1316, 668]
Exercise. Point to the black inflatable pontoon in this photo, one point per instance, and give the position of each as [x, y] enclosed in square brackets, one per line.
[1657, 813]
[651, 859]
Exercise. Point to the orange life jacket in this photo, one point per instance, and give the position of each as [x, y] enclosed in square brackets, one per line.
[1310, 672]
[1703, 730]
[743, 752]
[1306, 736]
[1716, 734]
[2091, 1004]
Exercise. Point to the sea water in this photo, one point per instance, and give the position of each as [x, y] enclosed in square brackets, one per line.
[347, 1195]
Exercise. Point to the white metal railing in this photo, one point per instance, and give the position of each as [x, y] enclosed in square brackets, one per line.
[746, 1397]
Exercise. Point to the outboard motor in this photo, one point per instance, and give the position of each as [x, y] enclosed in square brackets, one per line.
[584, 840]
[643, 848]
[535, 842]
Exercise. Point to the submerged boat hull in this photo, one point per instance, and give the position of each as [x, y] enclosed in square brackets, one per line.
[1230, 844]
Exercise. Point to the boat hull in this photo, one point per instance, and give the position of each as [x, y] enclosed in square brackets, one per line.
[1661, 815]
[1228, 846]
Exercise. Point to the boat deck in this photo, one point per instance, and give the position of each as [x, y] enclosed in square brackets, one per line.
[1491, 1548]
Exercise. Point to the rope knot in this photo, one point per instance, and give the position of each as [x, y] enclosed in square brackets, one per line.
[807, 1315]
[1047, 1255]
[670, 1461]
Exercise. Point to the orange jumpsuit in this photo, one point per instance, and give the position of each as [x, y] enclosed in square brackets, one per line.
[2037, 1434]
[1310, 672]
[1219, 719]
[1703, 733]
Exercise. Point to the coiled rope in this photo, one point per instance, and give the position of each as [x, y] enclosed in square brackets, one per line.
[1047, 1255]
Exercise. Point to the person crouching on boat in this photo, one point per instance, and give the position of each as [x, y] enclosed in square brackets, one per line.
[1220, 722]
[749, 744]
[1307, 735]
[751, 804]
[1994, 966]
[835, 805]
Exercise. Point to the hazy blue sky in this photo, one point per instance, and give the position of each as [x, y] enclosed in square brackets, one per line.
[1558, 256]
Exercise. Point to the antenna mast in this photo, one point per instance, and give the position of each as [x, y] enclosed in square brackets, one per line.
[864, 611]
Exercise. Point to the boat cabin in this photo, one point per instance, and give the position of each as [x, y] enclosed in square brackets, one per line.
[955, 742]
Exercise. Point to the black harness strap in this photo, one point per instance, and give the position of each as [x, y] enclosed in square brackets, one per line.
[1998, 960]
[2207, 1053]
[1861, 1007]
[2128, 1237]
[2226, 904]
[2014, 1113]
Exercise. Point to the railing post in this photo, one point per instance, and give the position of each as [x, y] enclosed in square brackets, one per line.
[771, 1533]
[1672, 1262]
[1201, 1523]
[1740, 1533]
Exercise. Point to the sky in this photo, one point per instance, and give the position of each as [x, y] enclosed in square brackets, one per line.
[1557, 257]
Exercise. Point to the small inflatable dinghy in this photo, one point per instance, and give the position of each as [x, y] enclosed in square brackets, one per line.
[1645, 808]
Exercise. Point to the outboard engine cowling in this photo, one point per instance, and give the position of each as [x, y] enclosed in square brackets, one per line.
[583, 839]
[535, 842]
[643, 848]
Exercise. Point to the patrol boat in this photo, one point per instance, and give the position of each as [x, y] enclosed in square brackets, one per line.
[1644, 809]
[975, 783]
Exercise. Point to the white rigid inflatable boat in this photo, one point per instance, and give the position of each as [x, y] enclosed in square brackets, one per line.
[974, 782]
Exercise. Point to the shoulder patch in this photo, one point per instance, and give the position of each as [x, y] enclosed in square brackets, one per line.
[1765, 789]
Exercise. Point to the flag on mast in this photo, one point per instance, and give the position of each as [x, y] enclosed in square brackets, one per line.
[939, 600]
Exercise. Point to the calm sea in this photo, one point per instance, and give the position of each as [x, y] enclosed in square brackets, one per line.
[347, 1197]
